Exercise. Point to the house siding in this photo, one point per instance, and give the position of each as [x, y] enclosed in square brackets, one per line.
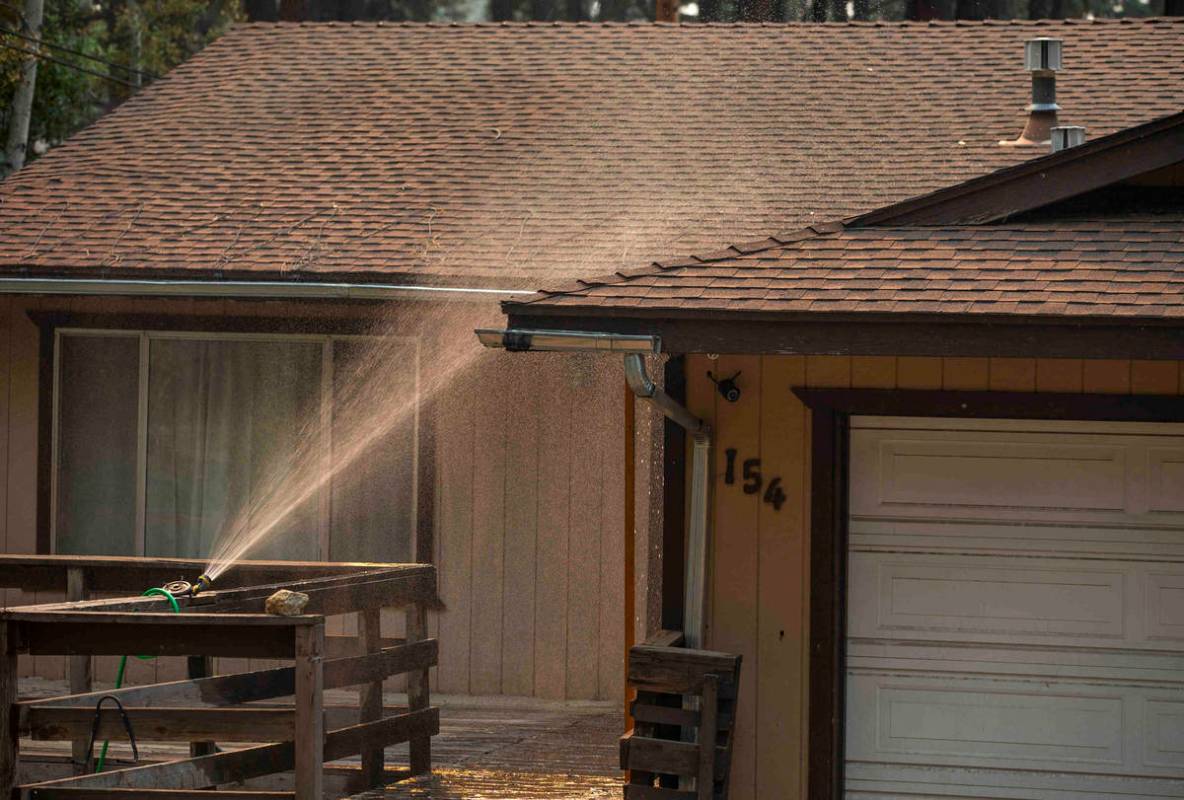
[528, 515]
[759, 576]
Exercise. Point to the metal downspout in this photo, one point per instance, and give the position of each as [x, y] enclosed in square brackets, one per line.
[695, 600]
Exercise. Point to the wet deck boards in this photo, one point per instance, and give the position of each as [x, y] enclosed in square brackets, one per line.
[494, 749]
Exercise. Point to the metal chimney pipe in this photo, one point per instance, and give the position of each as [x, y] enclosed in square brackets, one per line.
[1065, 136]
[1042, 57]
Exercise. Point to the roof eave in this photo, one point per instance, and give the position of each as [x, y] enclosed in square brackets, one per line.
[877, 334]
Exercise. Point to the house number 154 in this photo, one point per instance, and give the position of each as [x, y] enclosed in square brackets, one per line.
[751, 473]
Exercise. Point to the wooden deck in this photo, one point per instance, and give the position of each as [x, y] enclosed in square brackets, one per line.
[487, 748]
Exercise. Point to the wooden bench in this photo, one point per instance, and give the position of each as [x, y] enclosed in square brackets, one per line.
[684, 717]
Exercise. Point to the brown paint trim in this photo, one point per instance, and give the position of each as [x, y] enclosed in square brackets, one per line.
[831, 410]
[865, 335]
[49, 321]
[425, 504]
[674, 500]
[630, 587]
[44, 436]
[1041, 181]
[828, 593]
[208, 323]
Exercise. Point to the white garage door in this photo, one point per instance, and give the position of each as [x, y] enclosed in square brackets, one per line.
[1016, 610]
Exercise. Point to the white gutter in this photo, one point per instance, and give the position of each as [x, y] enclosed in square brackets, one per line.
[260, 289]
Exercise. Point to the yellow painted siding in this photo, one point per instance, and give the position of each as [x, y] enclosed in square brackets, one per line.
[759, 585]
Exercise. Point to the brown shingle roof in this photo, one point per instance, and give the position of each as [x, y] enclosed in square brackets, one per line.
[510, 154]
[1087, 266]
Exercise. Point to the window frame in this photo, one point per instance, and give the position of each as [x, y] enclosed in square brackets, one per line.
[145, 336]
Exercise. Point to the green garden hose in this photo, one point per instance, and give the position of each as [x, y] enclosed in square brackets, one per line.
[153, 592]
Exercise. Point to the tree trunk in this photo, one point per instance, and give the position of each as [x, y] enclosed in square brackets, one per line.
[754, 10]
[920, 10]
[22, 100]
[1047, 9]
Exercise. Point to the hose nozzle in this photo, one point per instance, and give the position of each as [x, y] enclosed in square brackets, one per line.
[202, 584]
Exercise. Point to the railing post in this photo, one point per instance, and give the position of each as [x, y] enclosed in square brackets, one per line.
[200, 667]
[708, 725]
[310, 718]
[9, 742]
[79, 667]
[370, 697]
[418, 696]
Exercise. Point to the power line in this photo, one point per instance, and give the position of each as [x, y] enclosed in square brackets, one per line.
[78, 53]
[68, 65]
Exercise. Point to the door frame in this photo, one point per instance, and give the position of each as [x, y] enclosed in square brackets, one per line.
[830, 437]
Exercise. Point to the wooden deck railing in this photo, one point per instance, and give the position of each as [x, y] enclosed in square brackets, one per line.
[683, 716]
[230, 708]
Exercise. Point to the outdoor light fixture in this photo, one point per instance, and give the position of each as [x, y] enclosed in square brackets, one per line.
[519, 340]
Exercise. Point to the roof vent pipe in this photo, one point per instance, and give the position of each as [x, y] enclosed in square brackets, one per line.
[1066, 136]
[1042, 57]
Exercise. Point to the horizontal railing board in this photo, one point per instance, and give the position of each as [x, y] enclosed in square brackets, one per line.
[88, 793]
[345, 646]
[175, 636]
[338, 592]
[355, 670]
[663, 715]
[680, 671]
[220, 690]
[664, 756]
[252, 762]
[378, 591]
[384, 732]
[47, 573]
[239, 724]
[246, 687]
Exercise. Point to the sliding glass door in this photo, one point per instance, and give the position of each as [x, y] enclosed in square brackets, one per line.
[162, 439]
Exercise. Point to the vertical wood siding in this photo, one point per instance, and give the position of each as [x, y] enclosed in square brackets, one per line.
[759, 581]
[528, 508]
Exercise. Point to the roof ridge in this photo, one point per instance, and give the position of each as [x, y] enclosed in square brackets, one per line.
[963, 23]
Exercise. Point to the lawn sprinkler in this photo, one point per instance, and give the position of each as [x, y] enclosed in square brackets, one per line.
[187, 589]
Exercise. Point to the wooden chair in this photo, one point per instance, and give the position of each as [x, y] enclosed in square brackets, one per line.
[684, 717]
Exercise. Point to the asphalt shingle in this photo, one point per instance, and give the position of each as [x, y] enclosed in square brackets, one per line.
[510, 155]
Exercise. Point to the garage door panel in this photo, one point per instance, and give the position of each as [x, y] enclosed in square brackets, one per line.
[1063, 725]
[1166, 472]
[1017, 475]
[1165, 733]
[985, 723]
[963, 598]
[888, 781]
[1165, 606]
[1015, 610]
[1058, 540]
[1069, 602]
[1152, 668]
